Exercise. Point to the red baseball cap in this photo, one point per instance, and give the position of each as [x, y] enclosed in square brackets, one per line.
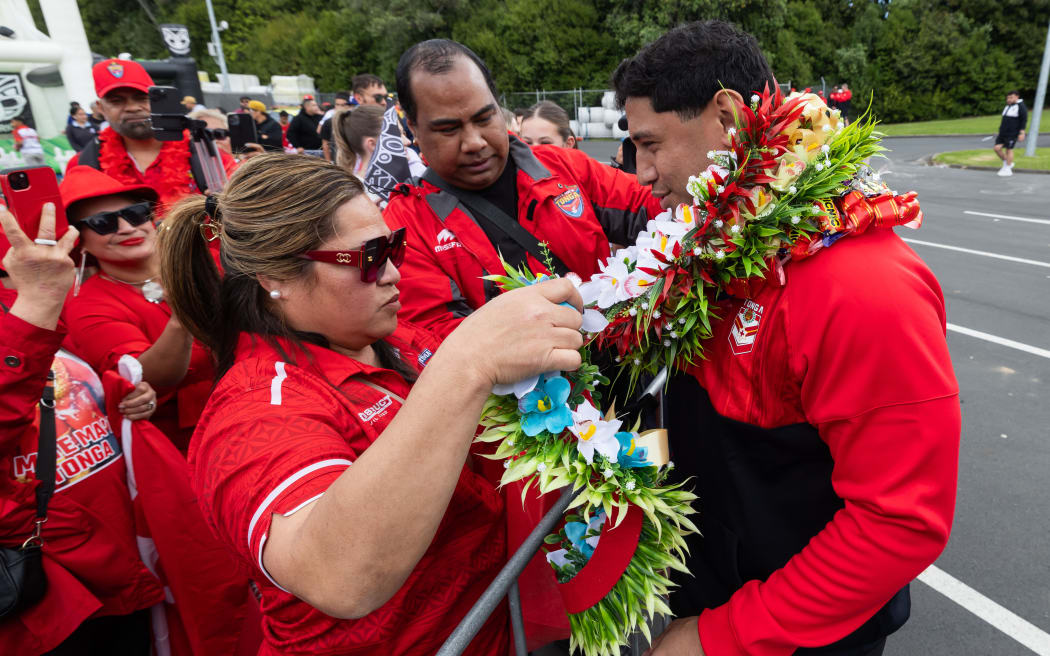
[83, 182]
[112, 74]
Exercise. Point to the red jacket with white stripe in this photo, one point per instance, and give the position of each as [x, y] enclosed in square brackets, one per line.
[278, 430]
[565, 198]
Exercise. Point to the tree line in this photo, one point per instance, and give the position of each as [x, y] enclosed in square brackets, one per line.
[920, 59]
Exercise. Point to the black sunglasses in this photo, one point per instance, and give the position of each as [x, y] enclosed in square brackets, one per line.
[217, 133]
[106, 223]
[370, 258]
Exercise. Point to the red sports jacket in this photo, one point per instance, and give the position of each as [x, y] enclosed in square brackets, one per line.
[565, 198]
[822, 435]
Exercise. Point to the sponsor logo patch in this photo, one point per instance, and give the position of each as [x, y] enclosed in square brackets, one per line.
[424, 357]
[571, 202]
[446, 240]
[116, 70]
[745, 328]
[377, 410]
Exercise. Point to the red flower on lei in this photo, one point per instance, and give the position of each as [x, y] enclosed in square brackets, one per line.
[173, 181]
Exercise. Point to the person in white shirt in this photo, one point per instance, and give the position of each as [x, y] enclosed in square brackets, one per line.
[27, 142]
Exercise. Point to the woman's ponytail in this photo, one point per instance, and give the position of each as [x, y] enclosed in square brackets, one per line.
[191, 280]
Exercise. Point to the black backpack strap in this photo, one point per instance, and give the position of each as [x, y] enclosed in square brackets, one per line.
[484, 210]
[89, 155]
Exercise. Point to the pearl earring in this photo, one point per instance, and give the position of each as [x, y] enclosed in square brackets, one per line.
[275, 294]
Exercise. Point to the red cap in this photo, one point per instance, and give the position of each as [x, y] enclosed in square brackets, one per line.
[307, 97]
[112, 74]
[83, 182]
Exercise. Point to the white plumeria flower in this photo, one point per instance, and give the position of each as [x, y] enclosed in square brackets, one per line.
[518, 389]
[593, 433]
[638, 283]
[593, 322]
[559, 557]
[606, 288]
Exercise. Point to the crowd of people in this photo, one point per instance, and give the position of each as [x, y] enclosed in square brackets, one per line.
[315, 351]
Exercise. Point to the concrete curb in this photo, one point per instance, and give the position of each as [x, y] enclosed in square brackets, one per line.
[929, 160]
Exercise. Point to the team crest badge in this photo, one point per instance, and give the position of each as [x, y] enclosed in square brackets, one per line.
[116, 70]
[571, 202]
[745, 328]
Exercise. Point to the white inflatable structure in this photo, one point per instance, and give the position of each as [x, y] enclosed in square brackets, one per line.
[29, 49]
[599, 122]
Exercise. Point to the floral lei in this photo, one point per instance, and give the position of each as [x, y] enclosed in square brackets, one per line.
[793, 181]
[176, 177]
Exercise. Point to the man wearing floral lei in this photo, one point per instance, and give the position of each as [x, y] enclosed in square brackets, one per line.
[819, 417]
[126, 151]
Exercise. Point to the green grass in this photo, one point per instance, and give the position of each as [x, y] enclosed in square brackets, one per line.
[971, 125]
[985, 157]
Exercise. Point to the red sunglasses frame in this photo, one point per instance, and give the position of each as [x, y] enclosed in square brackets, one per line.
[370, 258]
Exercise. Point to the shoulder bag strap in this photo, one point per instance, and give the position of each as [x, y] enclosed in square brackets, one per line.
[494, 216]
[46, 451]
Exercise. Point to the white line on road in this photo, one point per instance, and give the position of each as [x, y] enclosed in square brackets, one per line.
[1009, 218]
[1001, 341]
[997, 256]
[988, 138]
[1006, 621]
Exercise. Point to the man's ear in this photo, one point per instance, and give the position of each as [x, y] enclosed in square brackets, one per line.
[727, 103]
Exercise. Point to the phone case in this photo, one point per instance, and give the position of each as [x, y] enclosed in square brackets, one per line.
[26, 204]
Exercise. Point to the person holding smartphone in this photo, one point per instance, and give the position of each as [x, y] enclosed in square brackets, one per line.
[99, 590]
[121, 310]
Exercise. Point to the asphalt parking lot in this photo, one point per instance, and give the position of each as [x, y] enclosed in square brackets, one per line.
[988, 241]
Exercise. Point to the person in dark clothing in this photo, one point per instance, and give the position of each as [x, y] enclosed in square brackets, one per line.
[1011, 130]
[96, 118]
[269, 130]
[302, 133]
[80, 132]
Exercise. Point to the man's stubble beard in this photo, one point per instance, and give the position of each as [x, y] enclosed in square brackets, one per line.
[138, 130]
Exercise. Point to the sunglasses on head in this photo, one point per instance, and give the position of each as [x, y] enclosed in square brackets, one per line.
[106, 223]
[370, 258]
[217, 133]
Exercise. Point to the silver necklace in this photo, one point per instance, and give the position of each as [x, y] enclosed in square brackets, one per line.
[151, 290]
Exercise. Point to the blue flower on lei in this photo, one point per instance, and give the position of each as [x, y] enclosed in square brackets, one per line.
[546, 407]
[576, 532]
[630, 455]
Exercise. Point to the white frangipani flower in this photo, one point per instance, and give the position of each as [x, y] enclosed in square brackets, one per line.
[593, 433]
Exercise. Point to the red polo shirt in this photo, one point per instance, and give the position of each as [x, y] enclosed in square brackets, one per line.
[277, 431]
[110, 319]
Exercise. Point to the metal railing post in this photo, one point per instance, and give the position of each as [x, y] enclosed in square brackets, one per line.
[507, 577]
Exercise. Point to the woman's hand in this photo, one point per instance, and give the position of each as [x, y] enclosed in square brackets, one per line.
[522, 333]
[140, 403]
[42, 273]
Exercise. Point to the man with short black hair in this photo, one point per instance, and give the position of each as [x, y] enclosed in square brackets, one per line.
[368, 89]
[1011, 131]
[488, 194]
[823, 444]
[244, 109]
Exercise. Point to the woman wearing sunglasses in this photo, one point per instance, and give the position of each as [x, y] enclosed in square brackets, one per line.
[122, 308]
[333, 454]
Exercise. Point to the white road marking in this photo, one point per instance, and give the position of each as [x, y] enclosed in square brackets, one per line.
[997, 256]
[1006, 621]
[988, 138]
[1001, 341]
[1011, 218]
